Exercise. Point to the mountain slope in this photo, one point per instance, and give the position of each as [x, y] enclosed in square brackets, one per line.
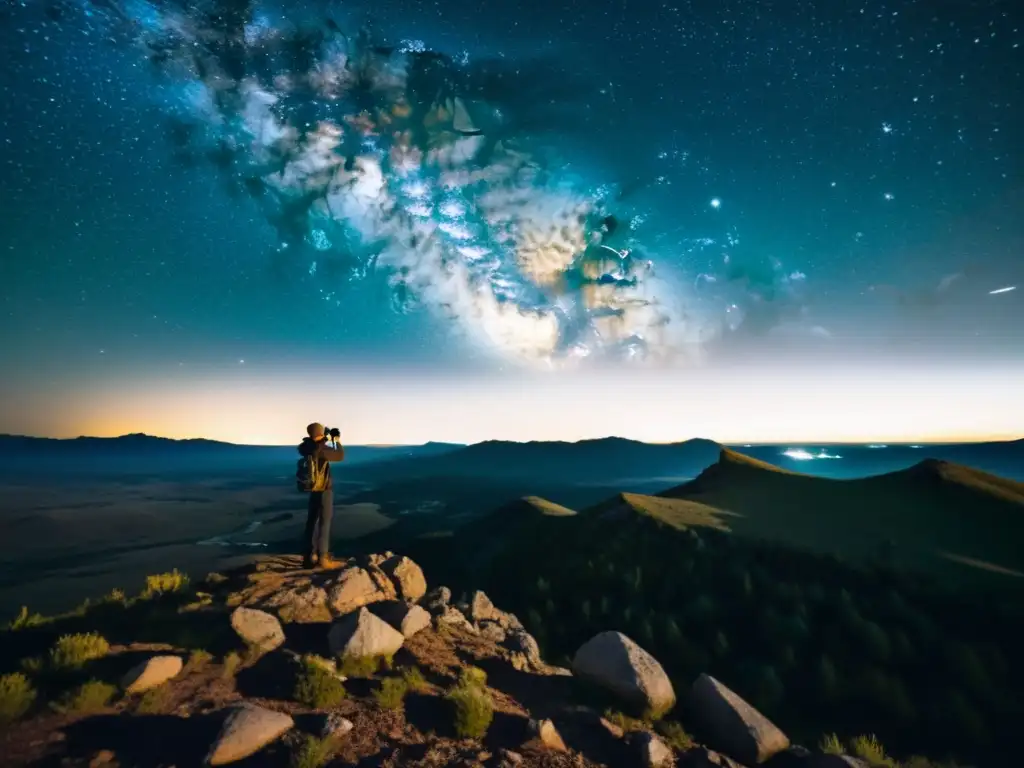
[931, 512]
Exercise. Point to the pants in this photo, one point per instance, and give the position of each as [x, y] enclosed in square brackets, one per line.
[317, 539]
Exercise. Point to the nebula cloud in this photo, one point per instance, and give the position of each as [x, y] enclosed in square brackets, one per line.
[395, 159]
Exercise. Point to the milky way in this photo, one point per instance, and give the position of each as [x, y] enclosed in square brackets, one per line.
[370, 157]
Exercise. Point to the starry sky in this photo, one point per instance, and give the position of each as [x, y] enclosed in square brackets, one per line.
[797, 220]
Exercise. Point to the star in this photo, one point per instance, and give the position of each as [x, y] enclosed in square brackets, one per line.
[716, 203]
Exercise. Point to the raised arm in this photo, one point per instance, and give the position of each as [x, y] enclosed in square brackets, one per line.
[333, 454]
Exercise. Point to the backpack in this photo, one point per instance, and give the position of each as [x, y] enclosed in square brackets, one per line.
[310, 474]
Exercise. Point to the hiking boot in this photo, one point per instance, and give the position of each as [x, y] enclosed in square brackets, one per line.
[329, 563]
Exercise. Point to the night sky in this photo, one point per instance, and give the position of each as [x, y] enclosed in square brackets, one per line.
[754, 222]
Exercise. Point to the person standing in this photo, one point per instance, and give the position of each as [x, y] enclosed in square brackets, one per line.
[314, 477]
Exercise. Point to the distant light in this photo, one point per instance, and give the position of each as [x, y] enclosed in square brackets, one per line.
[716, 203]
[886, 127]
[800, 454]
[878, 446]
[888, 196]
[1007, 289]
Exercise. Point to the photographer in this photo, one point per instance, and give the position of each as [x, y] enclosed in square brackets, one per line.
[314, 477]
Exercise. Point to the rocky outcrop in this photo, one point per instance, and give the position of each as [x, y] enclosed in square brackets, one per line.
[652, 751]
[437, 600]
[616, 663]
[732, 725]
[151, 673]
[407, 619]
[300, 604]
[356, 587]
[247, 729]
[545, 733]
[258, 629]
[362, 634]
[407, 577]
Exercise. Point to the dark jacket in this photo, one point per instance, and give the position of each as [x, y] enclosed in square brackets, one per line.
[324, 456]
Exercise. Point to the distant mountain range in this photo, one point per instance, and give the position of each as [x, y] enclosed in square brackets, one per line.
[605, 461]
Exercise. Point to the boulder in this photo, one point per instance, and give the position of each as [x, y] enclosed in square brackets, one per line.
[653, 751]
[731, 725]
[616, 663]
[491, 630]
[301, 604]
[437, 600]
[363, 634]
[247, 729]
[407, 619]
[453, 617]
[521, 641]
[356, 587]
[481, 608]
[257, 628]
[407, 577]
[545, 732]
[151, 673]
[334, 726]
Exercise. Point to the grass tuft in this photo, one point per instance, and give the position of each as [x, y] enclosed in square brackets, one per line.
[24, 620]
[154, 700]
[473, 707]
[86, 699]
[16, 697]
[165, 584]
[316, 686]
[232, 661]
[391, 694]
[75, 651]
[311, 752]
[360, 666]
[870, 750]
[674, 735]
[414, 680]
[199, 658]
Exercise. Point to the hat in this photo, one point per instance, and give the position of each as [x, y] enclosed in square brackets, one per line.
[315, 430]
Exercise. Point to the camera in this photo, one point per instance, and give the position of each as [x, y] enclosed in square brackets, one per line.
[332, 433]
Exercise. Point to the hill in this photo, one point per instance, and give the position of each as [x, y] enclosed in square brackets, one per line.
[926, 516]
[603, 461]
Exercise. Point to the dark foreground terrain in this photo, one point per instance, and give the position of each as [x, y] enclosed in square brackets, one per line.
[271, 665]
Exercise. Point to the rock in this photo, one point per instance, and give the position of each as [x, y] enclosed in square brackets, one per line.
[481, 608]
[453, 617]
[521, 641]
[732, 725]
[558, 671]
[151, 673]
[247, 729]
[407, 619]
[437, 600]
[616, 663]
[103, 759]
[491, 630]
[508, 757]
[793, 757]
[334, 726]
[653, 751]
[257, 628]
[545, 732]
[407, 577]
[363, 634]
[302, 604]
[610, 727]
[356, 587]
[701, 757]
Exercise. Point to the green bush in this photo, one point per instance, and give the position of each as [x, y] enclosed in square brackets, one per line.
[391, 694]
[311, 752]
[674, 735]
[871, 751]
[414, 680]
[86, 699]
[165, 584]
[16, 697]
[360, 666]
[316, 686]
[24, 620]
[831, 745]
[75, 651]
[474, 709]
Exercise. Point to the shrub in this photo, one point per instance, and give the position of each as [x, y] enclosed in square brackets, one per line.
[16, 697]
[86, 699]
[165, 583]
[199, 658]
[316, 686]
[675, 735]
[871, 751]
[360, 666]
[232, 662]
[831, 745]
[32, 665]
[414, 679]
[114, 597]
[623, 721]
[474, 709]
[391, 693]
[24, 620]
[153, 700]
[311, 752]
[74, 651]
